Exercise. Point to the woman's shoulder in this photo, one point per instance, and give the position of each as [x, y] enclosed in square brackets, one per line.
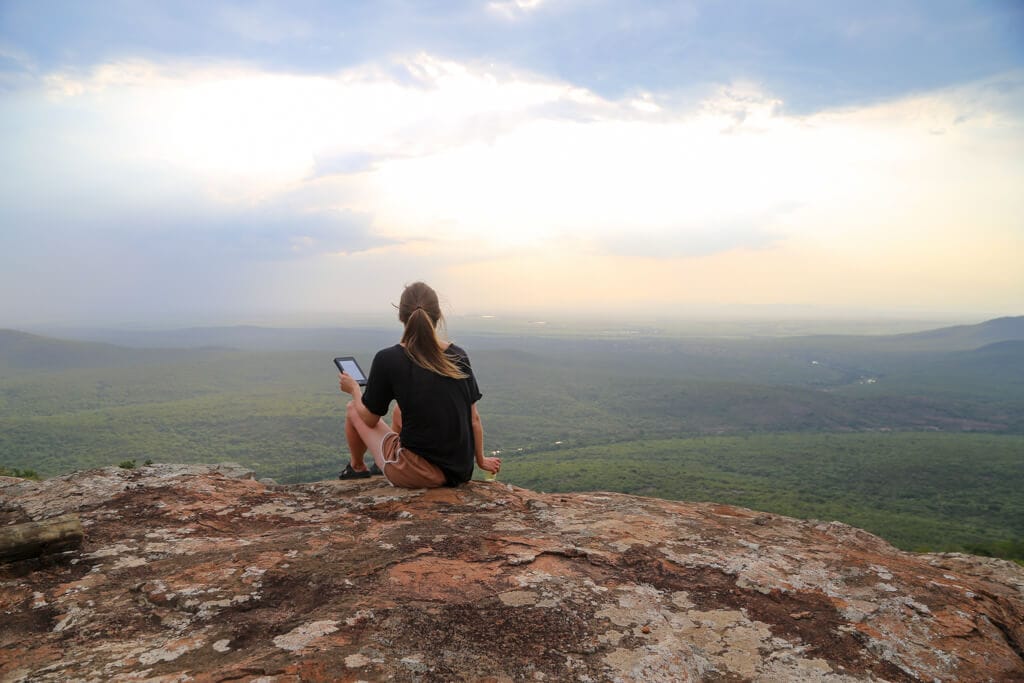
[390, 353]
[456, 350]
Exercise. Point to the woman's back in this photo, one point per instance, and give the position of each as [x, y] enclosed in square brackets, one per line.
[436, 410]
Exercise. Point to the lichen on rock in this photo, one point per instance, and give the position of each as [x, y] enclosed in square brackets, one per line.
[203, 573]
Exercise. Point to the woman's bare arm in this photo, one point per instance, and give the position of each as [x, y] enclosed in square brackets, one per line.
[484, 463]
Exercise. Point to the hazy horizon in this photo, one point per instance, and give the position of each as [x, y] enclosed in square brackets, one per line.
[230, 162]
[747, 322]
[692, 317]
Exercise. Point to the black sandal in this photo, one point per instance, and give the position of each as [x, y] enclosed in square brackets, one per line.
[374, 470]
[349, 473]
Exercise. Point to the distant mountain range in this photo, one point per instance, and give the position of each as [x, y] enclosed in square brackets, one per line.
[21, 350]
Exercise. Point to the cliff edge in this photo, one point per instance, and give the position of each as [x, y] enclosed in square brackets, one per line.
[202, 573]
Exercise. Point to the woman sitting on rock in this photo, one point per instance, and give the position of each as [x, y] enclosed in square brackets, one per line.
[437, 432]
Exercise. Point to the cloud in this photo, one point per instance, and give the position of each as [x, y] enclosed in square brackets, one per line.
[345, 163]
[240, 175]
[515, 9]
[482, 147]
[666, 173]
[813, 55]
[258, 233]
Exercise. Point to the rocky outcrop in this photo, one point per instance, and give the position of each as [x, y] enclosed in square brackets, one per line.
[199, 573]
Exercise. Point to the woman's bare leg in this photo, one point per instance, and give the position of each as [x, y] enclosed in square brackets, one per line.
[356, 445]
[396, 420]
[370, 437]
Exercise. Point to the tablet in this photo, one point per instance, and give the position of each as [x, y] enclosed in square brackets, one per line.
[348, 364]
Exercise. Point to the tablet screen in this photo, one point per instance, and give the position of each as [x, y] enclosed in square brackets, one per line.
[350, 367]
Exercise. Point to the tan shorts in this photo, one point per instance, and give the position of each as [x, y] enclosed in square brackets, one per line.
[407, 470]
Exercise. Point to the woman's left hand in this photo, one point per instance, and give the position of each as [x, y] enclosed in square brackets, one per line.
[490, 464]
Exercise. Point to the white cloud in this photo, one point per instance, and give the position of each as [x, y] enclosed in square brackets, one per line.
[515, 9]
[462, 164]
[461, 148]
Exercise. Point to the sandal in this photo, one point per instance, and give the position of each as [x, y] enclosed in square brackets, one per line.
[349, 473]
[374, 470]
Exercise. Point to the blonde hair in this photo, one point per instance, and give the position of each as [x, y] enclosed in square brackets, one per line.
[420, 312]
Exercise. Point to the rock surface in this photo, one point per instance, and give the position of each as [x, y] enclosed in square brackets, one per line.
[201, 573]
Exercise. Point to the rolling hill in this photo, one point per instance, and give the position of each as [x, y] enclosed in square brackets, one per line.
[23, 351]
[967, 336]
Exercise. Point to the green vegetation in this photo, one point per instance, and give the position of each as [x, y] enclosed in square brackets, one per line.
[19, 473]
[279, 413]
[918, 439]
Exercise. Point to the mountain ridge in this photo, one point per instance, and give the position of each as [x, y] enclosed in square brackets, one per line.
[254, 337]
[1006, 328]
[24, 350]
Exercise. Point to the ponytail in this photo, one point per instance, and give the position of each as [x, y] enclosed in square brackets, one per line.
[420, 311]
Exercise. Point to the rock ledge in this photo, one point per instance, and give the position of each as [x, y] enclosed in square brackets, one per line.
[202, 573]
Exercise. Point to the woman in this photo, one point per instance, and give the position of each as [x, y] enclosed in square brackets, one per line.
[437, 432]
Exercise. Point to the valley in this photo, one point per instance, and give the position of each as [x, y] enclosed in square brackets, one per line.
[918, 437]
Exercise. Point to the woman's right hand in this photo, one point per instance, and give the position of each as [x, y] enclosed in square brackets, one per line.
[347, 383]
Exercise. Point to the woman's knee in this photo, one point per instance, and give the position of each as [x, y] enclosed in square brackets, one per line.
[365, 431]
[353, 422]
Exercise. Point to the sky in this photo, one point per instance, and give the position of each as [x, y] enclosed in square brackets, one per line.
[228, 162]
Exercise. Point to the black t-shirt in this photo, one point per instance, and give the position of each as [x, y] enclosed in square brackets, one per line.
[437, 417]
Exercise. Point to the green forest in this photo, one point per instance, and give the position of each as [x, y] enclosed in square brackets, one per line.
[916, 437]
